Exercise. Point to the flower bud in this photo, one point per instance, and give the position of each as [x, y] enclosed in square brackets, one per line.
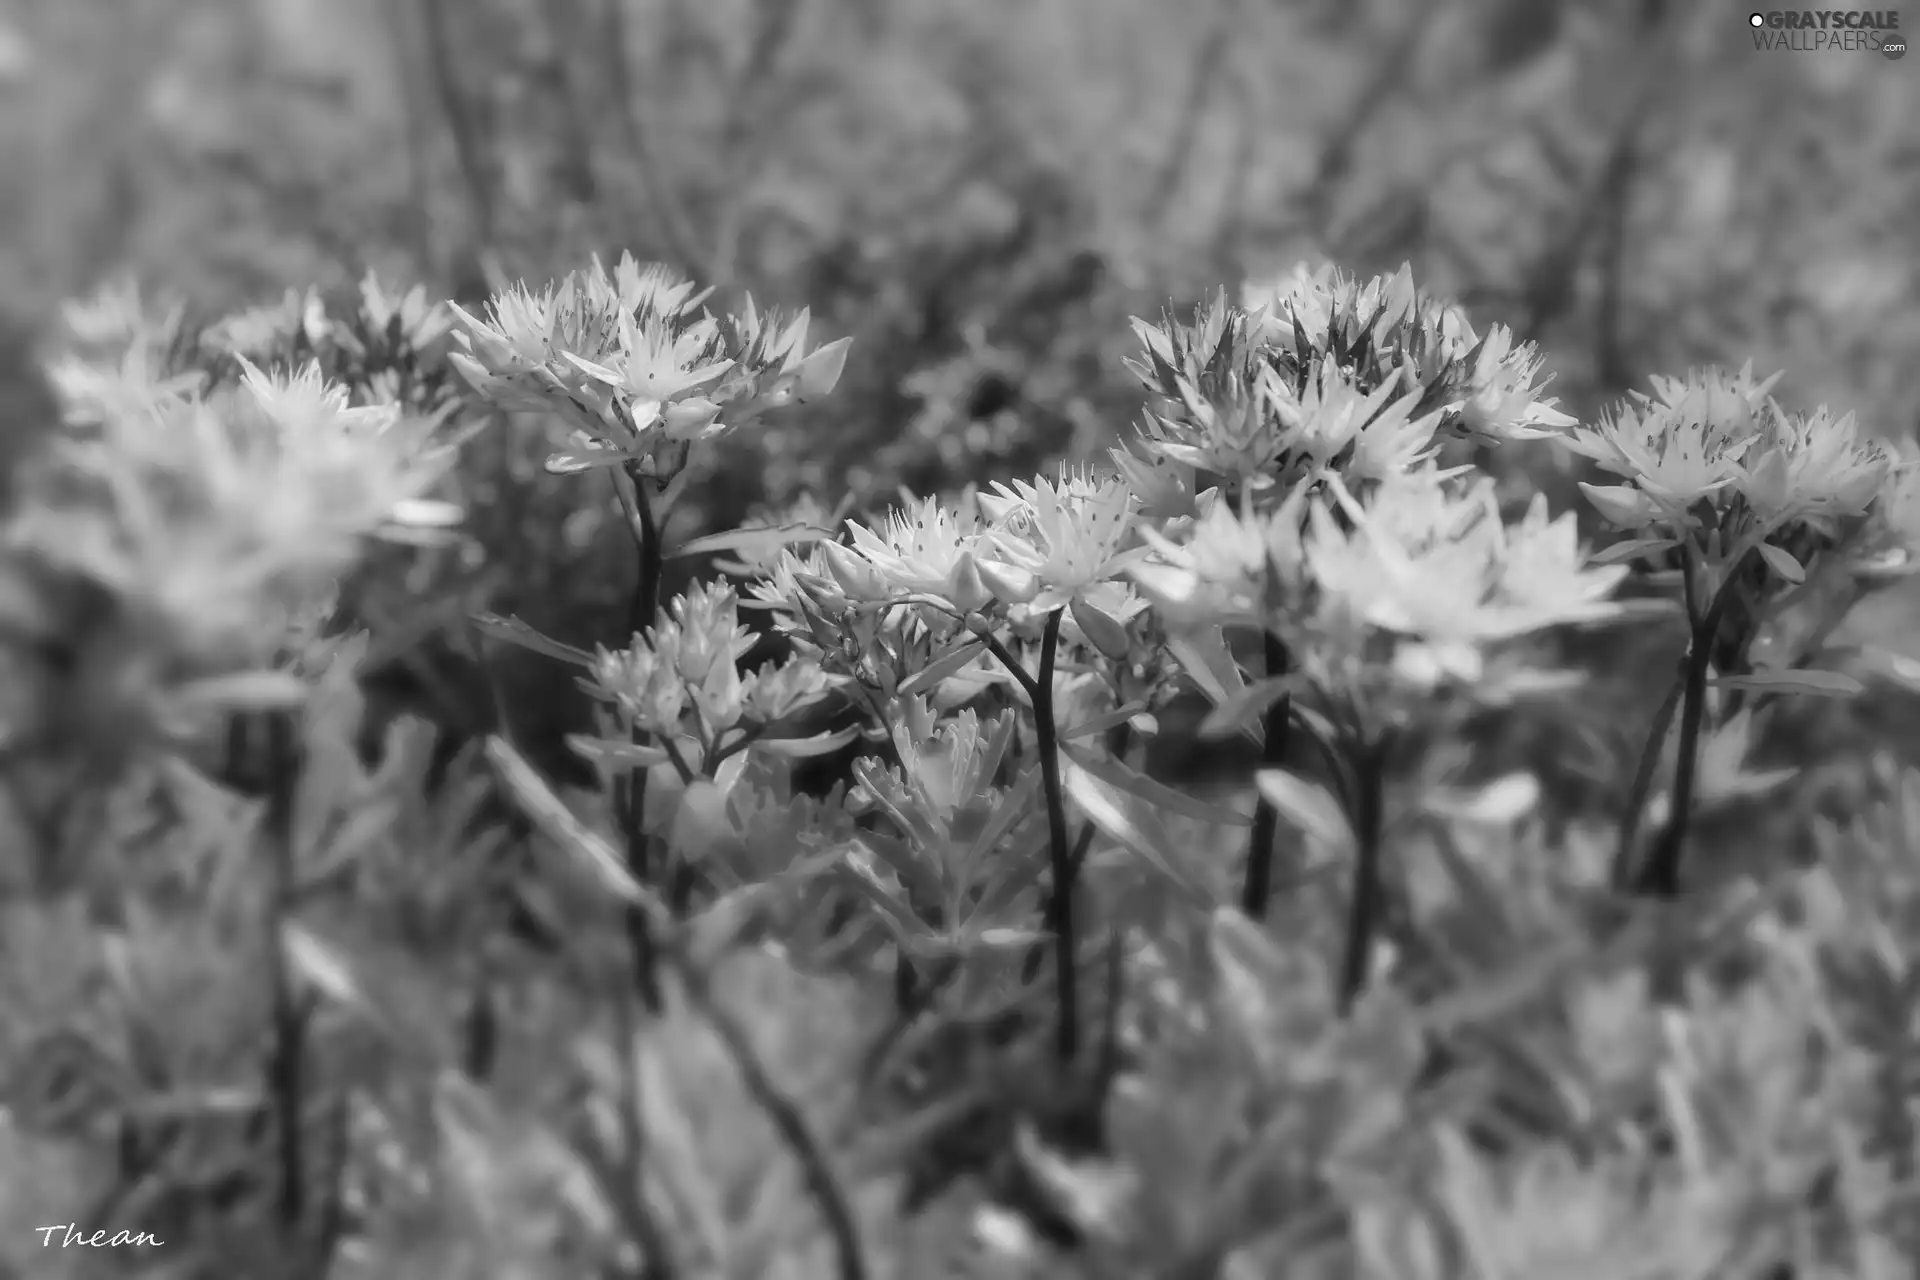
[1103, 631]
[1622, 505]
[1015, 586]
[965, 588]
[860, 580]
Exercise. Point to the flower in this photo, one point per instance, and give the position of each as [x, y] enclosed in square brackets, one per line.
[1503, 384]
[1436, 563]
[926, 548]
[1673, 461]
[1051, 543]
[217, 521]
[1374, 433]
[627, 358]
[655, 361]
[410, 318]
[1219, 389]
[1813, 468]
[1224, 571]
[1329, 307]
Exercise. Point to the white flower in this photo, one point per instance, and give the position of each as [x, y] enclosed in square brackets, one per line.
[1813, 468]
[1051, 542]
[922, 548]
[1437, 564]
[1503, 398]
[1674, 460]
[1220, 573]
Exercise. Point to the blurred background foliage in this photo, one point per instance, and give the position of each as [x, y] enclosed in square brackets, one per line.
[982, 192]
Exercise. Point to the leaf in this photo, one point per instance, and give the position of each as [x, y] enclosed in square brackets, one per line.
[1132, 822]
[1499, 803]
[247, 691]
[550, 813]
[1308, 806]
[1819, 684]
[820, 372]
[1621, 505]
[516, 632]
[401, 1001]
[1002, 937]
[1102, 630]
[701, 824]
[1631, 549]
[1101, 723]
[576, 461]
[823, 743]
[759, 542]
[1158, 794]
[427, 513]
[1241, 713]
[612, 751]
[1205, 656]
[1782, 562]
[938, 669]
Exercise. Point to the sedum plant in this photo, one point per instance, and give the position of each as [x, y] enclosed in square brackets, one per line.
[875, 946]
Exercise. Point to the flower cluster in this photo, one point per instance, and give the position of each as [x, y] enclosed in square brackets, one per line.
[632, 360]
[1713, 451]
[209, 531]
[684, 676]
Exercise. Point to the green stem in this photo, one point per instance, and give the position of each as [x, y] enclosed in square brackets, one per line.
[1258, 886]
[630, 796]
[1659, 875]
[1363, 906]
[286, 1061]
[1060, 922]
[1622, 871]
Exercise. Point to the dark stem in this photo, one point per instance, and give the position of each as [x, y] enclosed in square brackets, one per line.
[286, 1058]
[1258, 886]
[1643, 777]
[1363, 908]
[480, 1038]
[630, 796]
[1659, 875]
[1060, 901]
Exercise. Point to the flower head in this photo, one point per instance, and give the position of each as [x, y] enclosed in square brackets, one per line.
[1226, 568]
[1436, 563]
[1813, 469]
[1502, 386]
[1052, 541]
[921, 548]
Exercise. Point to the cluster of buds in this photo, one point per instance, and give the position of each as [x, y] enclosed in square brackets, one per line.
[683, 679]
